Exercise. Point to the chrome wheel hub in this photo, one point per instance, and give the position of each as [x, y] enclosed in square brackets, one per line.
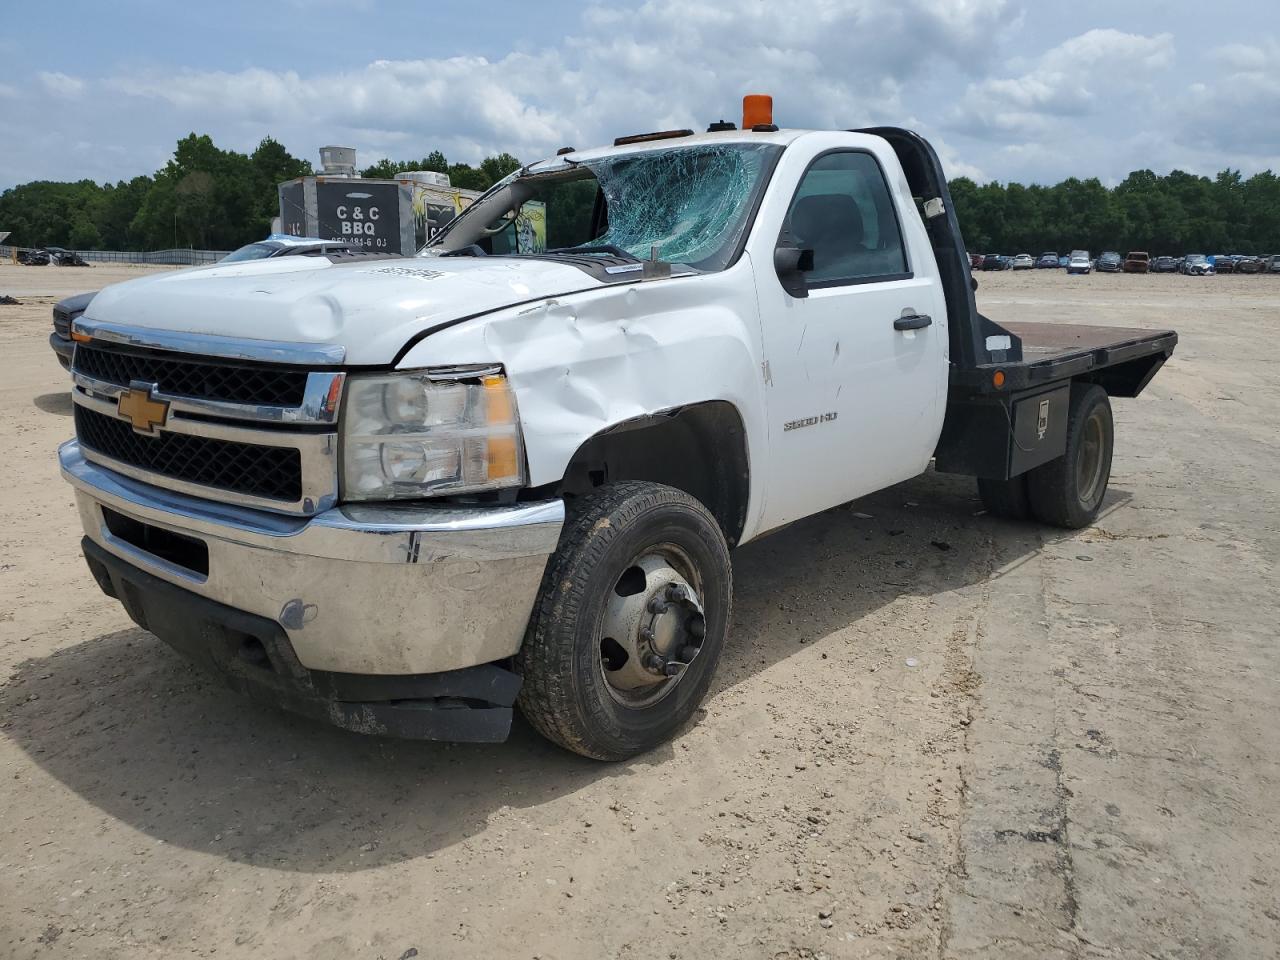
[652, 629]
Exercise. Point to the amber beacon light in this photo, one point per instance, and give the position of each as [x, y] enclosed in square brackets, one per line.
[757, 108]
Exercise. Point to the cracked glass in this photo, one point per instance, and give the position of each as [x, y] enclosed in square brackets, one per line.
[688, 204]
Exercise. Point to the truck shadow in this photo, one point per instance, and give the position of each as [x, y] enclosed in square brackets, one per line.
[145, 737]
[57, 403]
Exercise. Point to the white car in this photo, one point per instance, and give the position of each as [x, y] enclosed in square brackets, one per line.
[284, 245]
[1024, 261]
[1079, 262]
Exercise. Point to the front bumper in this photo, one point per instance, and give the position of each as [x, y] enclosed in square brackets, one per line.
[254, 657]
[384, 589]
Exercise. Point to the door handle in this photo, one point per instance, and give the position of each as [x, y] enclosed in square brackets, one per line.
[912, 321]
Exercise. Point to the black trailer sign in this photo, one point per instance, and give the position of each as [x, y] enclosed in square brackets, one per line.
[293, 209]
[363, 214]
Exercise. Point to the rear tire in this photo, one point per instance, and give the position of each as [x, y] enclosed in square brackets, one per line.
[581, 689]
[1007, 499]
[1068, 492]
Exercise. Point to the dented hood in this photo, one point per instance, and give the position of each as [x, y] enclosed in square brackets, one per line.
[370, 308]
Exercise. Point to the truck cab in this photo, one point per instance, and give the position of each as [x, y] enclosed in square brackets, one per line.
[399, 495]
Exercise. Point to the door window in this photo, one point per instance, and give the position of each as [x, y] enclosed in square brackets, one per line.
[842, 211]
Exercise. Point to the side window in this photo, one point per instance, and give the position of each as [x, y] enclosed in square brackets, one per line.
[842, 211]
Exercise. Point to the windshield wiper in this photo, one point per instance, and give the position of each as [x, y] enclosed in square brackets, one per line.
[608, 248]
[470, 250]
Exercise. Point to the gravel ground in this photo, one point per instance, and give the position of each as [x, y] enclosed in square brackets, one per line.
[935, 734]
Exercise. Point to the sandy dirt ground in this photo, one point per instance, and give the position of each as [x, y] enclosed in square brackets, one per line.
[935, 734]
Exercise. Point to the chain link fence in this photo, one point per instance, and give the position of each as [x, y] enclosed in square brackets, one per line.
[178, 256]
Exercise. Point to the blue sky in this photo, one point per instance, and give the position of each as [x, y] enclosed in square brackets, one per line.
[1005, 90]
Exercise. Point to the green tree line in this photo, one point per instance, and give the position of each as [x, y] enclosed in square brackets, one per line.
[211, 198]
[204, 197]
[1175, 214]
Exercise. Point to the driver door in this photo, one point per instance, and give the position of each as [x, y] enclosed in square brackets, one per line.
[857, 362]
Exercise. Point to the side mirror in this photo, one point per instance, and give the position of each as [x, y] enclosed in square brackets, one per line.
[792, 263]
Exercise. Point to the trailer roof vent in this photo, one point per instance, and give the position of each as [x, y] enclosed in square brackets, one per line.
[338, 161]
[431, 177]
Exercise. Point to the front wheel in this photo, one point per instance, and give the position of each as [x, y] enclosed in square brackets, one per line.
[630, 621]
[1067, 492]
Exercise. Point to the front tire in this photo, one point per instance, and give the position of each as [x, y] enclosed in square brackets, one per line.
[630, 621]
[1068, 491]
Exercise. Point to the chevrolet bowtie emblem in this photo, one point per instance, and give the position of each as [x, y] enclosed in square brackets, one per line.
[137, 406]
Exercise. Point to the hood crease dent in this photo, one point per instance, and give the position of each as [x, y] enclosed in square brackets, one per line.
[374, 310]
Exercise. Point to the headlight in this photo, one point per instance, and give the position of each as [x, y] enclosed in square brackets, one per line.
[420, 434]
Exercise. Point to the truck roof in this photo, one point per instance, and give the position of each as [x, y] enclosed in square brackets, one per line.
[778, 137]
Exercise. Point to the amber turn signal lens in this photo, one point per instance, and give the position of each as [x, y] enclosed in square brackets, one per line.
[998, 379]
[497, 400]
[502, 458]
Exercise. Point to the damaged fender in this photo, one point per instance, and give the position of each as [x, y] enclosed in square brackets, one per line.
[583, 363]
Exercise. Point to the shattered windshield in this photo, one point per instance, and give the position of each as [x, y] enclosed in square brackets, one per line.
[689, 205]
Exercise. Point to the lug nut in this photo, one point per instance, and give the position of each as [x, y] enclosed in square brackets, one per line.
[672, 668]
[657, 605]
[675, 592]
[688, 652]
[655, 663]
[697, 627]
[646, 634]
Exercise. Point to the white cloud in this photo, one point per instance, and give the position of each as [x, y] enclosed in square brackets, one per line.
[664, 63]
[61, 85]
[1074, 79]
[1098, 103]
[1236, 114]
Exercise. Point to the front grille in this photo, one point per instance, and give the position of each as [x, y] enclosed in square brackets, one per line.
[248, 468]
[207, 380]
[62, 323]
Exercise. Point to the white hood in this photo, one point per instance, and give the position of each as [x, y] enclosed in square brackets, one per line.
[371, 308]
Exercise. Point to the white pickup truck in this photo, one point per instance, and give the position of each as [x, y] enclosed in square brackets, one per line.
[403, 495]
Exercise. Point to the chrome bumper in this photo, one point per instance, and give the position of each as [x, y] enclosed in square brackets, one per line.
[367, 589]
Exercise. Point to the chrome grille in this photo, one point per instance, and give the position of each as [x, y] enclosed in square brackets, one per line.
[250, 432]
[186, 377]
[271, 472]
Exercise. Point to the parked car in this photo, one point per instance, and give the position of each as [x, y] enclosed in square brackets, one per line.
[1048, 261]
[1273, 263]
[1138, 261]
[283, 245]
[34, 258]
[1196, 265]
[1222, 263]
[1110, 262]
[1079, 262]
[1063, 261]
[63, 257]
[64, 312]
[994, 261]
[975, 261]
[1023, 261]
[1164, 265]
[1248, 265]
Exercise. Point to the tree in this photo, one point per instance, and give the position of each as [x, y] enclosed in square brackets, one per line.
[210, 197]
